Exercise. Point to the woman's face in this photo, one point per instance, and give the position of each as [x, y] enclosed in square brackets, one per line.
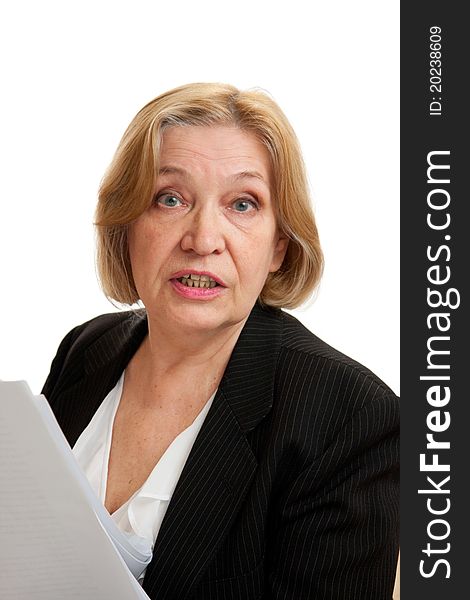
[212, 218]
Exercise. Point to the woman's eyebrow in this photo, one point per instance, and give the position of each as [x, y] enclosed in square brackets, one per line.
[248, 174]
[245, 174]
[171, 170]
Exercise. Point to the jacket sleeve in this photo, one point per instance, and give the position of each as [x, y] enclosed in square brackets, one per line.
[336, 535]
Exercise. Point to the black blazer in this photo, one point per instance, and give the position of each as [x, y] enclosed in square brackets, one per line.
[291, 488]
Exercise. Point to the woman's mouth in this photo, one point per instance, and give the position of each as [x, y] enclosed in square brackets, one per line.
[197, 281]
[197, 286]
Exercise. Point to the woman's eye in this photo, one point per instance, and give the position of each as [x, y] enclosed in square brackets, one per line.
[244, 205]
[168, 200]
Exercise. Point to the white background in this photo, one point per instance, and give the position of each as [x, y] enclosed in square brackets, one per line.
[74, 75]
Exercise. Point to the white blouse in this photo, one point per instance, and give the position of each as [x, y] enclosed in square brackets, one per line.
[140, 518]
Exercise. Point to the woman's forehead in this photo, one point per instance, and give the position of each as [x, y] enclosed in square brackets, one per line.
[229, 150]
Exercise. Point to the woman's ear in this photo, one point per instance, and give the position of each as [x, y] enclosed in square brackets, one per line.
[279, 253]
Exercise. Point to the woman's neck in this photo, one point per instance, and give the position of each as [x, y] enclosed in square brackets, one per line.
[193, 360]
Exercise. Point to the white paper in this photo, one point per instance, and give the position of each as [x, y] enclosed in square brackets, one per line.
[55, 534]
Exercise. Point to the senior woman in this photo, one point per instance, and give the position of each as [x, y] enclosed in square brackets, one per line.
[250, 458]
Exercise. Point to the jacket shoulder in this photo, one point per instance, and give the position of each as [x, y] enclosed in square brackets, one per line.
[300, 341]
[327, 388]
[91, 330]
[80, 338]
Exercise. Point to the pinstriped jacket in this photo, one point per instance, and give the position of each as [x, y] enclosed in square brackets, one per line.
[291, 489]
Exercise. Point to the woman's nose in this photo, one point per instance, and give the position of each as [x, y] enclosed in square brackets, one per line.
[203, 234]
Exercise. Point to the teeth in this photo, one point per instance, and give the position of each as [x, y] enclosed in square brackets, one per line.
[198, 281]
[195, 277]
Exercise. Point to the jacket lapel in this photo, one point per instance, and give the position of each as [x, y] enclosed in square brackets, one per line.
[219, 469]
[91, 378]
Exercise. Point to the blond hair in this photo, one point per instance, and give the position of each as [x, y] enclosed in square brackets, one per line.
[128, 186]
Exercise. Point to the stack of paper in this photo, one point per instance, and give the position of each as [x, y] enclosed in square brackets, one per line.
[57, 540]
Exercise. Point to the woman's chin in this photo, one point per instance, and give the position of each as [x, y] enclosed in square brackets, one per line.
[194, 317]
